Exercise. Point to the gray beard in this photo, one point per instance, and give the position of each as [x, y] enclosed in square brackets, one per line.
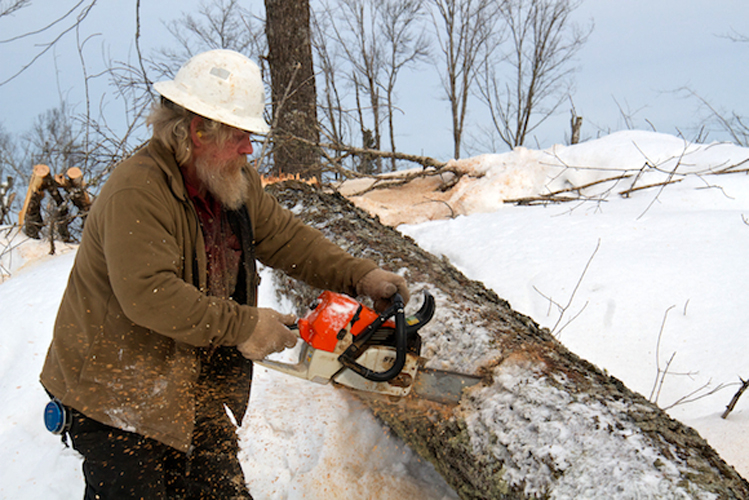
[225, 182]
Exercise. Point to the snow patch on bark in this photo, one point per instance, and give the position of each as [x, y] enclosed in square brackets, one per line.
[559, 445]
[449, 342]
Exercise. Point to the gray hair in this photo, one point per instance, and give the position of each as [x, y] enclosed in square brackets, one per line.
[171, 125]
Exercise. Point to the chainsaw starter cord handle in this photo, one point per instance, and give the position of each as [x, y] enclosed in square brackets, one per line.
[348, 358]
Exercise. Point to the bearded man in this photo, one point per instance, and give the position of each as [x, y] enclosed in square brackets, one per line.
[158, 325]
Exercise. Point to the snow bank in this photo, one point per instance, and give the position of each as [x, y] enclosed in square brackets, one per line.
[488, 180]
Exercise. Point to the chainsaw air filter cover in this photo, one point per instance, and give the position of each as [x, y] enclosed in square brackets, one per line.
[333, 317]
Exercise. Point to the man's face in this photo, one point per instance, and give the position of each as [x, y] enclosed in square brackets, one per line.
[219, 167]
[237, 145]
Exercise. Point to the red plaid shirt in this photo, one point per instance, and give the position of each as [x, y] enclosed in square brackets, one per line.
[222, 246]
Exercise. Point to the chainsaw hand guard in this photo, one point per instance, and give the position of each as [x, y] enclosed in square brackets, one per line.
[349, 356]
[404, 330]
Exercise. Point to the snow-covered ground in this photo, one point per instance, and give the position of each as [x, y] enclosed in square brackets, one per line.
[653, 281]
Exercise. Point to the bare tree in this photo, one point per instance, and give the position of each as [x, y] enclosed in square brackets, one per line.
[7, 164]
[737, 37]
[8, 156]
[55, 140]
[375, 41]
[543, 42]
[356, 33]
[8, 7]
[57, 28]
[218, 24]
[293, 90]
[463, 29]
[731, 123]
[332, 117]
[406, 43]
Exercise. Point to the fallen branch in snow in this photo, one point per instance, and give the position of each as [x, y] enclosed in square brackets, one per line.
[391, 181]
[576, 193]
[631, 190]
[545, 423]
[735, 398]
[732, 169]
[556, 196]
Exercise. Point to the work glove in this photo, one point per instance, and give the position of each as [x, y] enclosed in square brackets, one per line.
[381, 286]
[270, 335]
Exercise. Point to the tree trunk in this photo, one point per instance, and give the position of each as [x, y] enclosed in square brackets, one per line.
[545, 423]
[292, 87]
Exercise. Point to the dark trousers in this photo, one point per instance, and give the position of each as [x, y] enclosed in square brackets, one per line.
[123, 465]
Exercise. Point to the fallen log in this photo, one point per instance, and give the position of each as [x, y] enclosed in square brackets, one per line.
[545, 423]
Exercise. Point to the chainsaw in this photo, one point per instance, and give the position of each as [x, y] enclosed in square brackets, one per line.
[349, 344]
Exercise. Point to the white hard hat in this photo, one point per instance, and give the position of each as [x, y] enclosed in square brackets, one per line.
[222, 85]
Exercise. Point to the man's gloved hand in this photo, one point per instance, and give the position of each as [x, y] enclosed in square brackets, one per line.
[381, 286]
[270, 335]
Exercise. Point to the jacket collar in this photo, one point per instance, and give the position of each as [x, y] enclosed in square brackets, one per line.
[164, 158]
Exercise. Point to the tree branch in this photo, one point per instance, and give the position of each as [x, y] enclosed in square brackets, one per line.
[735, 398]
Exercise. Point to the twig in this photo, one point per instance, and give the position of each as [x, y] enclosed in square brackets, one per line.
[554, 196]
[287, 93]
[656, 384]
[563, 309]
[424, 161]
[662, 378]
[663, 185]
[452, 212]
[631, 190]
[735, 398]
[552, 302]
[573, 318]
[686, 399]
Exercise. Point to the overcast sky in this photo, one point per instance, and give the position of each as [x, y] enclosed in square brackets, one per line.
[639, 53]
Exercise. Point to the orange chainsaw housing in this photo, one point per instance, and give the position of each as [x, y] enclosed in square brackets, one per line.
[335, 315]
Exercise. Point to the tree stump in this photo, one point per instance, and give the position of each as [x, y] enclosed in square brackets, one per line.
[76, 187]
[30, 217]
[545, 423]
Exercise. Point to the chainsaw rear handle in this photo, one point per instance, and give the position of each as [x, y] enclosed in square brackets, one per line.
[349, 356]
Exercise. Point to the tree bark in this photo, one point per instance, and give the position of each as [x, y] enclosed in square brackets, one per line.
[544, 423]
[292, 87]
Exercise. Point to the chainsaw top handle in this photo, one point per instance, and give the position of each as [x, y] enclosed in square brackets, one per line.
[349, 356]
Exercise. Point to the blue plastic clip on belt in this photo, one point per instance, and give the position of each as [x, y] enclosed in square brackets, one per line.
[57, 418]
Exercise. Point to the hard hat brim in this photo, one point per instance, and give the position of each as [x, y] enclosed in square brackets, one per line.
[179, 95]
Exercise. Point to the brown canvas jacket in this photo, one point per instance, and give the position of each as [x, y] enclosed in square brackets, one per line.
[131, 324]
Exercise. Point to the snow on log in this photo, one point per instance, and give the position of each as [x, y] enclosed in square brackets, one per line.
[545, 423]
